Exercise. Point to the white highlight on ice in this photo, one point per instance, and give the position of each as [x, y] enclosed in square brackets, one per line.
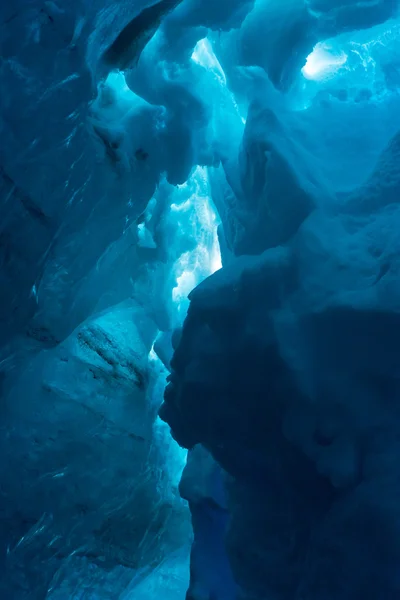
[203, 55]
[195, 265]
[152, 354]
[322, 63]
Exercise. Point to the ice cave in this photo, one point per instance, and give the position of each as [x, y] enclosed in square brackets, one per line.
[199, 300]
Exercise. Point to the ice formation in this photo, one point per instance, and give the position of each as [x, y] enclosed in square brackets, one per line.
[203, 197]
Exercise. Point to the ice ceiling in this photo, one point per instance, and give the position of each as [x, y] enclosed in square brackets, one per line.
[247, 150]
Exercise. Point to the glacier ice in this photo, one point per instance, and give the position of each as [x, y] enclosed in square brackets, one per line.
[203, 197]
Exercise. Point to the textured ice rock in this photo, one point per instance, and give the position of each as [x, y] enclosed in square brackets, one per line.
[287, 372]
[85, 443]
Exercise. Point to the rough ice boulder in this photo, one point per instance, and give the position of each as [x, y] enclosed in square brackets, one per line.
[203, 385]
[305, 458]
[227, 390]
[287, 371]
[91, 468]
[115, 350]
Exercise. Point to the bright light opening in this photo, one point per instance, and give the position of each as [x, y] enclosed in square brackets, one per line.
[322, 63]
[203, 55]
[196, 212]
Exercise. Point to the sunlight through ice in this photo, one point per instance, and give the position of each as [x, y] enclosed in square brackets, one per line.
[203, 55]
[322, 63]
[195, 265]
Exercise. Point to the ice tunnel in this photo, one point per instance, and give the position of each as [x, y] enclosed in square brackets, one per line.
[199, 300]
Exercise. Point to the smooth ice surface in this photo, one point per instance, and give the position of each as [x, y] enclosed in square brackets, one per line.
[203, 194]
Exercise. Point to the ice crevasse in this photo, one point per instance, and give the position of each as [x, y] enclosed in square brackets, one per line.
[199, 300]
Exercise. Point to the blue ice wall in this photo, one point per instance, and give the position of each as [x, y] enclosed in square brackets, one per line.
[203, 194]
